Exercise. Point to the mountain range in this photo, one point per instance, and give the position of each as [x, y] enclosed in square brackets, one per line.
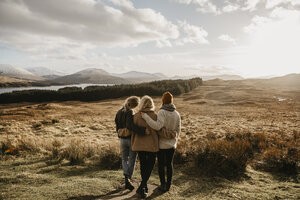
[46, 76]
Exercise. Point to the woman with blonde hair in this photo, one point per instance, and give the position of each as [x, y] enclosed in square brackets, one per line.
[146, 145]
[125, 127]
[169, 119]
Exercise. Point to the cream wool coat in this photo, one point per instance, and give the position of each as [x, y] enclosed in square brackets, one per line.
[169, 120]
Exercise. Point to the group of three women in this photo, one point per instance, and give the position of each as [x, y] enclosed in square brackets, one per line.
[148, 135]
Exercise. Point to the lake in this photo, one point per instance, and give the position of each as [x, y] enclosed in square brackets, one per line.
[53, 87]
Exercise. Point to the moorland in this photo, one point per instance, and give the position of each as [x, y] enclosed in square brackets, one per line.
[239, 140]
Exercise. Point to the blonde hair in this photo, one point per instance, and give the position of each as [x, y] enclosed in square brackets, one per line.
[146, 104]
[131, 103]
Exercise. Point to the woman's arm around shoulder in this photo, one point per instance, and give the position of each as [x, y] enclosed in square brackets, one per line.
[156, 125]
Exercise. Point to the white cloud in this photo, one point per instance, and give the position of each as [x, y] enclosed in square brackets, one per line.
[184, 1]
[230, 8]
[195, 34]
[163, 43]
[227, 38]
[251, 4]
[210, 70]
[274, 3]
[204, 6]
[257, 23]
[209, 8]
[84, 22]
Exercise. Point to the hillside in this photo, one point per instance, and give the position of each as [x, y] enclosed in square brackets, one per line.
[46, 73]
[91, 75]
[290, 81]
[6, 81]
[223, 77]
[139, 77]
[19, 73]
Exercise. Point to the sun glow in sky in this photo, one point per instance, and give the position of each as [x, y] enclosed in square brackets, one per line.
[251, 38]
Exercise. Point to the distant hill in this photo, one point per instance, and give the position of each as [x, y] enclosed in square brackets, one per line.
[206, 78]
[223, 77]
[6, 81]
[19, 73]
[288, 81]
[91, 75]
[139, 77]
[46, 72]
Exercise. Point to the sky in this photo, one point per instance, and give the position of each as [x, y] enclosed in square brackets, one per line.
[251, 38]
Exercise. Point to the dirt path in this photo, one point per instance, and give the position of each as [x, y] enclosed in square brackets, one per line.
[123, 194]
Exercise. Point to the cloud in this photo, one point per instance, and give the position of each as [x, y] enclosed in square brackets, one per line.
[211, 70]
[204, 6]
[275, 3]
[34, 25]
[251, 5]
[194, 34]
[231, 8]
[227, 38]
[163, 43]
[209, 8]
[257, 23]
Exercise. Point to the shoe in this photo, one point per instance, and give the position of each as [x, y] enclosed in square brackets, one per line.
[168, 185]
[162, 187]
[146, 189]
[141, 192]
[128, 184]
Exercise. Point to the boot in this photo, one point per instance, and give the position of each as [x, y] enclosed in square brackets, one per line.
[146, 189]
[128, 184]
[162, 187]
[168, 185]
[141, 192]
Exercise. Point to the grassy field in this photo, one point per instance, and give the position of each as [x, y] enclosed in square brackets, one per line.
[61, 148]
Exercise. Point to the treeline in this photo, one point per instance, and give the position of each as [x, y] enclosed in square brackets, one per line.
[94, 93]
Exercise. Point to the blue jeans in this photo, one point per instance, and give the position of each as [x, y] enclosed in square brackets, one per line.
[128, 157]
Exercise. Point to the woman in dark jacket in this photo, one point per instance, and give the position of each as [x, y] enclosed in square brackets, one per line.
[125, 127]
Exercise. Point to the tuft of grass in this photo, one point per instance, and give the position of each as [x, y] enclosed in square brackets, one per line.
[110, 157]
[224, 158]
[185, 151]
[77, 151]
[281, 160]
[28, 144]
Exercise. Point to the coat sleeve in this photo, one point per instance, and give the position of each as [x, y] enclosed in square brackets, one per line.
[156, 125]
[179, 125]
[133, 127]
[117, 119]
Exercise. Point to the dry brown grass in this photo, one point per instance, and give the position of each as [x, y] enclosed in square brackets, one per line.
[222, 132]
[224, 158]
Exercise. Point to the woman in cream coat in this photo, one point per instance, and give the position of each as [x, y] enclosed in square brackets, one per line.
[168, 118]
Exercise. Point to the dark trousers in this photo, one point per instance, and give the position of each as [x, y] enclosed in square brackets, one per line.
[147, 161]
[165, 160]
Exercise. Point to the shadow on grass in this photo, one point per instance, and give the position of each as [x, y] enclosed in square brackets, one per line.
[155, 193]
[65, 170]
[196, 181]
[282, 177]
[29, 162]
[110, 195]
